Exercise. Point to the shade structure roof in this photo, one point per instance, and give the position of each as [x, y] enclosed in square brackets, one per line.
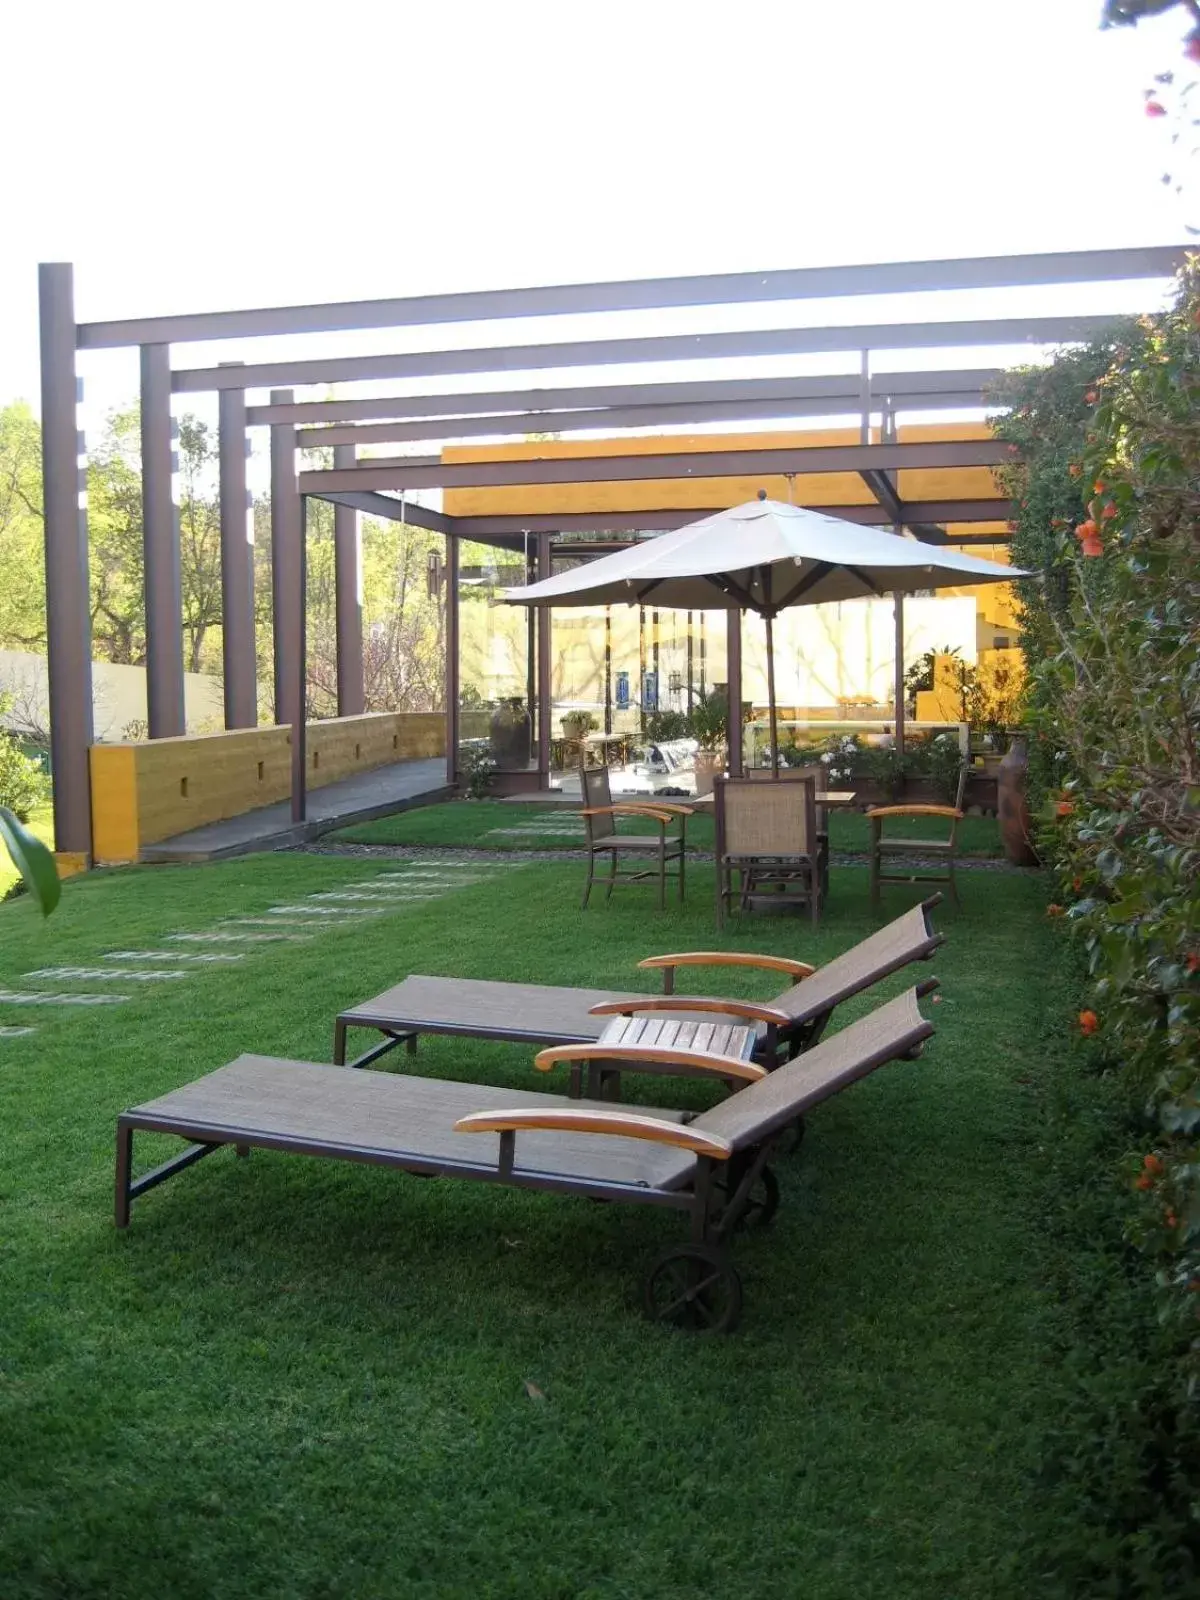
[763, 556]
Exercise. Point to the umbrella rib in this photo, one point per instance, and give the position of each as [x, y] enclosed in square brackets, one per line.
[857, 572]
[648, 588]
[728, 585]
[820, 569]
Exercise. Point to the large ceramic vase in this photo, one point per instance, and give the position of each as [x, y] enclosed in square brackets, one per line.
[510, 736]
[1016, 832]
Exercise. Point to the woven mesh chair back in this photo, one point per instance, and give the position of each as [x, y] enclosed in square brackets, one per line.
[596, 791]
[767, 819]
[770, 1105]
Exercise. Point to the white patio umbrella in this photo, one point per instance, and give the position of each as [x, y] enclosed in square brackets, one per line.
[764, 557]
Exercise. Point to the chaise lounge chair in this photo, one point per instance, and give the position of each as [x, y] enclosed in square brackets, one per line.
[714, 1167]
[530, 1013]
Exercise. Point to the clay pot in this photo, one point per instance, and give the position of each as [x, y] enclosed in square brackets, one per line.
[708, 763]
[1016, 832]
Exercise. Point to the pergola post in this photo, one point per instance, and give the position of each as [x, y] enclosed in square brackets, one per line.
[733, 689]
[237, 564]
[286, 566]
[347, 571]
[160, 543]
[68, 612]
[453, 666]
[545, 689]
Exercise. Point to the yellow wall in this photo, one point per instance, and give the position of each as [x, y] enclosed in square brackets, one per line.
[823, 488]
[944, 702]
[142, 793]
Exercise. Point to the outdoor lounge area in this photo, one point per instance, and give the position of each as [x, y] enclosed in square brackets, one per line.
[262, 1314]
[600, 802]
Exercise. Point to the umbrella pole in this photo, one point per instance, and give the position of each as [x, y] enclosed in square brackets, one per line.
[772, 712]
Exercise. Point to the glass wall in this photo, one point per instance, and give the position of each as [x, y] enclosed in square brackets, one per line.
[497, 662]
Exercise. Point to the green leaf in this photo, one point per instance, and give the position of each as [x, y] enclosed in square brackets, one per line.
[32, 860]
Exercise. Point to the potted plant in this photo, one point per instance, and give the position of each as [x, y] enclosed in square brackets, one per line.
[709, 722]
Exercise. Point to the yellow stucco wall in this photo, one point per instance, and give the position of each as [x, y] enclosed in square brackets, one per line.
[142, 793]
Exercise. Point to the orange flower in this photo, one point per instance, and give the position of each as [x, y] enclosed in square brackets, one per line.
[1088, 1023]
[1110, 510]
[1054, 911]
[1074, 469]
[1092, 547]
[1193, 962]
[1152, 1163]
[1098, 486]
[1090, 397]
[1064, 808]
[1144, 1183]
[1077, 884]
[1086, 530]
[1171, 1220]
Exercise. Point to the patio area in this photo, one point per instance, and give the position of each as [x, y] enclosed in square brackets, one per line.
[288, 1368]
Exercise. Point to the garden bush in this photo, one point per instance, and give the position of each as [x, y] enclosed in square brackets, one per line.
[23, 784]
[1105, 479]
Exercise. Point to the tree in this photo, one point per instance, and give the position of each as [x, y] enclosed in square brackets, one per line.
[199, 538]
[23, 591]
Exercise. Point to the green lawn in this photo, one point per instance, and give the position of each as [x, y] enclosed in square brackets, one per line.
[302, 1378]
[494, 825]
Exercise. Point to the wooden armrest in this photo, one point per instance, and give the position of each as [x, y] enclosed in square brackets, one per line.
[731, 958]
[624, 1124]
[651, 1055]
[626, 811]
[916, 811]
[675, 810]
[749, 1009]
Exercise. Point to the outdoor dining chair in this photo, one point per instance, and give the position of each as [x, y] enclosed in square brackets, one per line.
[768, 850]
[924, 856]
[650, 853]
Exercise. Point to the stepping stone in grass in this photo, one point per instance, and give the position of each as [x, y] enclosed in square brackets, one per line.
[13, 997]
[173, 955]
[103, 974]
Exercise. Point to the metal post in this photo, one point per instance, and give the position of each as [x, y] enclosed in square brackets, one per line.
[690, 663]
[300, 690]
[237, 564]
[864, 431]
[285, 563]
[733, 688]
[453, 669]
[608, 707]
[898, 602]
[545, 687]
[772, 713]
[68, 613]
[347, 562]
[160, 543]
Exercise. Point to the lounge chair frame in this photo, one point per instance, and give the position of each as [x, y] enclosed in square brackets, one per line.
[509, 1012]
[737, 1150]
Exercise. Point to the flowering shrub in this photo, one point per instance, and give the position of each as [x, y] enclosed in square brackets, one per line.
[1106, 484]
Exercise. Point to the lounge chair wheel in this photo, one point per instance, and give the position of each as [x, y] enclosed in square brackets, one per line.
[696, 1287]
[762, 1202]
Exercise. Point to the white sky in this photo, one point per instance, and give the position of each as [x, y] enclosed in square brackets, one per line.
[250, 153]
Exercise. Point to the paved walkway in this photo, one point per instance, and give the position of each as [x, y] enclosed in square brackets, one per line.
[359, 799]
